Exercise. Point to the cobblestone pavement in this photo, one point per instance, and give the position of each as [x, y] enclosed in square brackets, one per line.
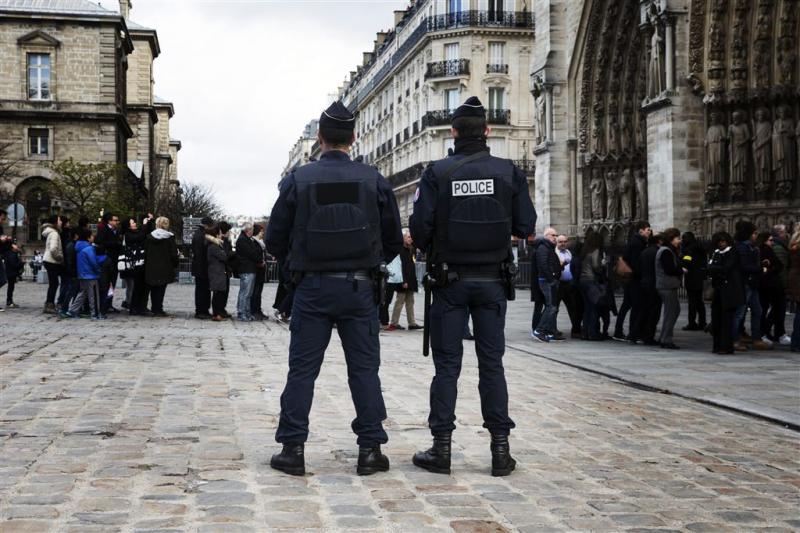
[167, 425]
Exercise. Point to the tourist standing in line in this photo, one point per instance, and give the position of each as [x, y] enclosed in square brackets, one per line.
[407, 289]
[53, 260]
[548, 268]
[726, 279]
[632, 301]
[249, 258]
[769, 286]
[256, 309]
[651, 300]
[135, 239]
[593, 283]
[161, 260]
[568, 291]
[669, 274]
[11, 260]
[202, 293]
[218, 274]
[70, 277]
[109, 238]
[793, 285]
[90, 260]
[695, 260]
[752, 268]
[780, 247]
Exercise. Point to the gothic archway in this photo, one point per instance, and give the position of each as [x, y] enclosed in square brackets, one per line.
[34, 194]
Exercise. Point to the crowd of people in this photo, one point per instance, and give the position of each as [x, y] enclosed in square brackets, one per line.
[751, 272]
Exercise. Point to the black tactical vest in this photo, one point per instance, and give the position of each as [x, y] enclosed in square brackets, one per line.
[473, 211]
[337, 222]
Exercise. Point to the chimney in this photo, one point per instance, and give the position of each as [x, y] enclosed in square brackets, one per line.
[367, 58]
[125, 7]
[398, 16]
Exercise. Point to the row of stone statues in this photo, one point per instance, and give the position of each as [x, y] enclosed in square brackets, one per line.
[618, 194]
[767, 150]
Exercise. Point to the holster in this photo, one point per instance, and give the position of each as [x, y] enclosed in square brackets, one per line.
[509, 271]
[380, 277]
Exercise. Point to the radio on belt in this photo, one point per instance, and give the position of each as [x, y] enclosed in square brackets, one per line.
[473, 187]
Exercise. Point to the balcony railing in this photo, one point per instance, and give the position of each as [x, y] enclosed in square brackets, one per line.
[441, 117]
[494, 68]
[498, 116]
[407, 175]
[528, 166]
[444, 69]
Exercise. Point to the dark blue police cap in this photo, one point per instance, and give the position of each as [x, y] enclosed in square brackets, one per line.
[471, 108]
[337, 117]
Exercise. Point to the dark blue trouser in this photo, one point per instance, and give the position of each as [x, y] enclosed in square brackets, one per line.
[548, 322]
[450, 311]
[319, 302]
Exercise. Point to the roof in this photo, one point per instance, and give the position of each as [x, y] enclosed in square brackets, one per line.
[65, 7]
[132, 26]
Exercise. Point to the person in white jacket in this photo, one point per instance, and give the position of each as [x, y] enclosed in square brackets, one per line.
[53, 260]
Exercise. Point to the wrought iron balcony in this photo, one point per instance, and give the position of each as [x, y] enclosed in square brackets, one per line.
[441, 117]
[444, 69]
[528, 166]
[496, 68]
[502, 19]
[498, 116]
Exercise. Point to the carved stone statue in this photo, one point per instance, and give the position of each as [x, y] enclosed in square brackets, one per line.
[739, 135]
[762, 151]
[626, 194]
[716, 157]
[596, 187]
[784, 150]
[540, 111]
[655, 70]
[612, 195]
[613, 134]
[641, 194]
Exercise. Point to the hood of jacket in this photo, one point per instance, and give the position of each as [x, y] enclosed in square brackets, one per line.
[214, 240]
[161, 234]
[81, 245]
[48, 229]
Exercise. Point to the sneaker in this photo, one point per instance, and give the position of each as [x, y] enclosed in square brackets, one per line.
[391, 327]
[541, 337]
[63, 314]
[740, 347]
[620, 338]
[557, 337]
[785, 340]
[12, 305]
[766, 340]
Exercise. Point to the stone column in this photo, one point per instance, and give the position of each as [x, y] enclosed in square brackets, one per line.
[548, 98]
[669, 63]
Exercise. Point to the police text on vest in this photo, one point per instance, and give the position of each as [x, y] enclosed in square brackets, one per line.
[473, 187]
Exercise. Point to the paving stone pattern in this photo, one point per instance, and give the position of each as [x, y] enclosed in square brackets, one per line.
[167, 425]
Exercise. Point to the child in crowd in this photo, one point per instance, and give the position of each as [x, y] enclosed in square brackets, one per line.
[90, 261]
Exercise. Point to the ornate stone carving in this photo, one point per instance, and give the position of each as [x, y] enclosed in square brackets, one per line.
[784, 151]
[612, 195]
[640, 178]
[540, 110]
[716, 49]
[762, 151]
[787, 44]
[596, 190]
[740, 138]
[595, 19]
[697, 39]
[762, 46]
[739, 50]
[626, 190]
[655, 67]
[716, 157]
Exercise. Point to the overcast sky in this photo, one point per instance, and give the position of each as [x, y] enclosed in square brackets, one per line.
[247, 75]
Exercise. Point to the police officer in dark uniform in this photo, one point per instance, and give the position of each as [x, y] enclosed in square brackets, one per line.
[466, 209]
[335, 223]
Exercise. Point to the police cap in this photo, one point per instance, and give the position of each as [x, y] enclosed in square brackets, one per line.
[471, 108]
[337, 117]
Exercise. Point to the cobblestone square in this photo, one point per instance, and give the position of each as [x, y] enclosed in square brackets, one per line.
[167, 425]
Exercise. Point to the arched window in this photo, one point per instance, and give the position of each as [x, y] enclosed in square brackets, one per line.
[38, 206]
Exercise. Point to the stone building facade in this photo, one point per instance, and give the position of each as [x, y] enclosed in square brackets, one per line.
[683, 112]
[76, 81]
[303, 150]
[437, 55]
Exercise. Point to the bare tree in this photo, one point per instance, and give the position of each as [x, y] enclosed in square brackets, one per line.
[90, 187]
[9, 168]
[199, 200]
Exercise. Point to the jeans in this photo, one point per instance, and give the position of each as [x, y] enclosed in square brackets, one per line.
[246, 284]
[54, 273]
[773, 312]
[569, 293]
[751, 299]
[547, 324]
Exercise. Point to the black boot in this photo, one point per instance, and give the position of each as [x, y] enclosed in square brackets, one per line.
[437, 458]
[371, 460]
[291, 459]
[502, 462]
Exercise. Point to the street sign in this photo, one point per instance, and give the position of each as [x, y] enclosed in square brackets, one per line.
[16, 214]
[190, 225]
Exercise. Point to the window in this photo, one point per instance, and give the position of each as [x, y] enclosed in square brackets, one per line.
[497, 53]
[39, 76]
[454, 6]
[39, 141]
[496, 95]
[451, 99]
[451, 52]
[495, 10]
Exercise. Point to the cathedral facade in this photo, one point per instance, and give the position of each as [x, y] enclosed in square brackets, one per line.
[681, 112]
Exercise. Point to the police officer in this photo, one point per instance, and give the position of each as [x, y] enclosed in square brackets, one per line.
[335, 222]
[466, 209]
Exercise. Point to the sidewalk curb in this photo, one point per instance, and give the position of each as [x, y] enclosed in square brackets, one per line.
[632, 380]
